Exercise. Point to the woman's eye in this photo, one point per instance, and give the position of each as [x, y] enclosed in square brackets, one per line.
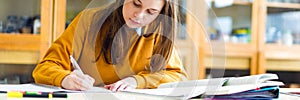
[151, 13]
[136, 4]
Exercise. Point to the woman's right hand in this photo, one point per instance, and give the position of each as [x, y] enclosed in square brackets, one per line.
[78, 81]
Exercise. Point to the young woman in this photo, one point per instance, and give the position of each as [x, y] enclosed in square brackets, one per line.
[126, 44]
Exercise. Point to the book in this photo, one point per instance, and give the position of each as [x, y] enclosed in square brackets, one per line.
[291, 91]
[254, 86]
[271, 92]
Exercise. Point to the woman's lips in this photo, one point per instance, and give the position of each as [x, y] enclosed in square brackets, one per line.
[134, 22]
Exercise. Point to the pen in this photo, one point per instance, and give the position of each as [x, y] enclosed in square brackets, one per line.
[15, 94]
[75, 64]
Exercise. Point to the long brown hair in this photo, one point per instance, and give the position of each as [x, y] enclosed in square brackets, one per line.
[166, 22]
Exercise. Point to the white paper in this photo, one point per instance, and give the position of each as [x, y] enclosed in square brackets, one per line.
[46, 88]
[27, 87]
[97, 90]
[216, 86]
[183, 92]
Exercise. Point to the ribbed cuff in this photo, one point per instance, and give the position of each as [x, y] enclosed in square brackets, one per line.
[60, 77]
[141, 83]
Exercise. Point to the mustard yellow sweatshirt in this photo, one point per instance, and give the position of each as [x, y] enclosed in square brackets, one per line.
[56, 64]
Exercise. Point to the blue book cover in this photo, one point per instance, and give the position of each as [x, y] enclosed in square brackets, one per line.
[265, 93]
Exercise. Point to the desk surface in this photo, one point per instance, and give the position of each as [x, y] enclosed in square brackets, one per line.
[96, 96]
[118, 96]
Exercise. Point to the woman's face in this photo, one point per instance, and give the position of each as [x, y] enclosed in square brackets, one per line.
[138, 13]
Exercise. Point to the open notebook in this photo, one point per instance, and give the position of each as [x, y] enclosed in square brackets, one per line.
[255, 86]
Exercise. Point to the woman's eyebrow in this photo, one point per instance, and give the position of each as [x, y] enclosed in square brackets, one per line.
[140, 1]
[150, 9]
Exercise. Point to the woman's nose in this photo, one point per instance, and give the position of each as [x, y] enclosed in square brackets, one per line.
[139, 14]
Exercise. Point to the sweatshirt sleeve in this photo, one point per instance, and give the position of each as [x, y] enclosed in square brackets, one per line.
[56, 64]
[174, 72]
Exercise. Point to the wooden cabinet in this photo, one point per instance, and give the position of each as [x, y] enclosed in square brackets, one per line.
[195, 29]
[262, 54]
[278, 35]
[231, 36]
[64, 12]
[25, 48]
[255, 55]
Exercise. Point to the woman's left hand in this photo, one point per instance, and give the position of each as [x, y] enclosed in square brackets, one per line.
[126, 83]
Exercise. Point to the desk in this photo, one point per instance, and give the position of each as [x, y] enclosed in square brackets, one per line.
[96, 96]
[117, 96]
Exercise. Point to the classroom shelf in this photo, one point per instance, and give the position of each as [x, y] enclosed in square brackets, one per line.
[275, 51]
[282, 67]
[276, 56]
[232, 63]
[27, 48]
[239, 55]
[22, 42]
[19, 57]
[184, 43]
[230, 49]
[283, 5]
[240, 2]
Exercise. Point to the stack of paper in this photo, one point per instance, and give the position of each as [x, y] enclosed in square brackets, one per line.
[247, 87]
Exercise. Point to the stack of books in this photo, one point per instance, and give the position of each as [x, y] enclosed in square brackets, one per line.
[260, 86]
